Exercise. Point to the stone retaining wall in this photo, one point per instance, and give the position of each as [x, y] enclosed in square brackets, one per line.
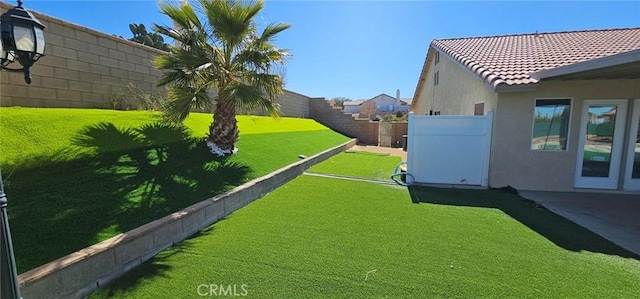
[78, 274]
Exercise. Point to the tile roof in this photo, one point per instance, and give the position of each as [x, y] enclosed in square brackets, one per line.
[353, 103]
[510, 59]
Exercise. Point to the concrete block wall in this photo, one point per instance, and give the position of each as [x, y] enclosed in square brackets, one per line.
[79, 274]
[292, 104]
[364, 130]
[398, 129]
[83, 68]
[390, 133]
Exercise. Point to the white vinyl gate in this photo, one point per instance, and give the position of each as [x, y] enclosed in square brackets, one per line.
[444, 149]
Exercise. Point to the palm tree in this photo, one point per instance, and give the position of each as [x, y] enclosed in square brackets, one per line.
[221, 61]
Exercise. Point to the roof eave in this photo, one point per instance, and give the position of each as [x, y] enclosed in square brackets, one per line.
[593, 64]
[476, 70]
[503, 87]
[423, 75]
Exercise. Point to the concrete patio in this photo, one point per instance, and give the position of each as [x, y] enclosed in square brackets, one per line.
[614, 216]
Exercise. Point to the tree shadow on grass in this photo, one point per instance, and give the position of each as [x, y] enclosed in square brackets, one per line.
[155, 268]
[555, 228]
[124, 179]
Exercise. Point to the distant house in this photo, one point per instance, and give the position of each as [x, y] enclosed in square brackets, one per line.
[566, 105]
[384, 104]
[352, 107]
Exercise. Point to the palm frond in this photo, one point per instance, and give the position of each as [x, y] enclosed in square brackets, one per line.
[177, 14]
[230, 21]
[223, 52]
[182, 99]
[188, 29]
[251, 97]
[269, 33]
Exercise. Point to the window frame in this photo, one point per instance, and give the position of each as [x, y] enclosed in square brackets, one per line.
[483, 108]
[533, 124]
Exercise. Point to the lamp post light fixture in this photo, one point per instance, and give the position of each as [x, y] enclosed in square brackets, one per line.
[21, 40]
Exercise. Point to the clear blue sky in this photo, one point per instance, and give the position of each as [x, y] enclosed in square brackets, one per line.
[359, 49]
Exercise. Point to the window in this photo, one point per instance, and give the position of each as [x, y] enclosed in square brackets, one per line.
[478, 108]
[551, 124]
[437, 59]
[436, 78]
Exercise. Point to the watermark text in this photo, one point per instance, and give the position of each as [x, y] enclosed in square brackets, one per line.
[227, 290]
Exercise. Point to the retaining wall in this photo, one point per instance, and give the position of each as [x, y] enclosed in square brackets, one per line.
[364, 130]
[78, 274]
[292, 104]
[83, 68]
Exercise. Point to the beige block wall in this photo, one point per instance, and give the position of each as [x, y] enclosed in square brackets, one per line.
[456, 93]
[82, 68]
[514, 163]
[364, 130]
[292, 104]
[398, 130]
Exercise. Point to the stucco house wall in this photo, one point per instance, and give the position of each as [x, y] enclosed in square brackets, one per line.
[351, 109]
[508, 73]
[456, 92]
[385, 104]
[512, 160]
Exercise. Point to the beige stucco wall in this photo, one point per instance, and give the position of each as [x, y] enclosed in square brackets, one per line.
[456, 93]
[514, 163]
[82, 68]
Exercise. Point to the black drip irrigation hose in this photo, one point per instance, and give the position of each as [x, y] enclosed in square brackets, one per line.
[402, 178]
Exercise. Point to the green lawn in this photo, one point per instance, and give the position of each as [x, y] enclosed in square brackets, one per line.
[75, 177]
[333, 238]
[359, 164]
[28, 132]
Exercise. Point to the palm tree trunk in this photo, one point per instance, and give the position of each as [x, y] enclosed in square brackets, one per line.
[223, 131]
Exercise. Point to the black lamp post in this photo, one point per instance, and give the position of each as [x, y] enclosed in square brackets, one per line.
[9, 287]
[21, 40]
